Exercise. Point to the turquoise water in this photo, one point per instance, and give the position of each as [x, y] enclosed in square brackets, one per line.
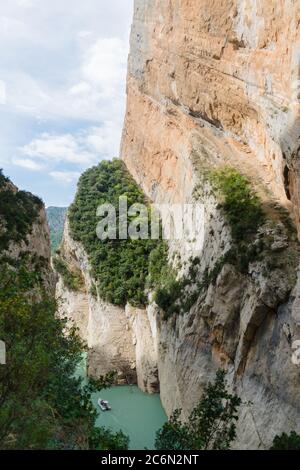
[136, 413]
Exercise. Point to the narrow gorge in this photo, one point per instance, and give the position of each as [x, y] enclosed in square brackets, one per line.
[212, 118]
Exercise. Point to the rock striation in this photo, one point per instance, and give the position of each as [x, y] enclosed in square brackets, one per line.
[214, 83]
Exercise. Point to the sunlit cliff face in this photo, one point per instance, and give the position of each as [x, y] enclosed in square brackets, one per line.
[219, 82]
[210, 84]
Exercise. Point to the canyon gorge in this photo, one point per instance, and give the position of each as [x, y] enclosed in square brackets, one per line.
[212, 85]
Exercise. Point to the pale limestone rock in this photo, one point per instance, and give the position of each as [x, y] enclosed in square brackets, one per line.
[117, 338]
[145, 352]
[213, 83]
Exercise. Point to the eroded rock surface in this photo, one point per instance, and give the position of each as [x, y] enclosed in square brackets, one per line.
[118, 338]
[214, 83]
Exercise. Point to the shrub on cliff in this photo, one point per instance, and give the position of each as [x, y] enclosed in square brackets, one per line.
[71, 280]
[241, 205]
[286, 442]
[210, 426]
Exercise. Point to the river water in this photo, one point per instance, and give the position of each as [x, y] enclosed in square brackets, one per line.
[138, 414]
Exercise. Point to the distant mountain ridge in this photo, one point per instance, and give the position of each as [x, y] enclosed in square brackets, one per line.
[56, 219]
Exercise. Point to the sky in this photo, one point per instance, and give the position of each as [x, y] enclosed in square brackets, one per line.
[62, 90]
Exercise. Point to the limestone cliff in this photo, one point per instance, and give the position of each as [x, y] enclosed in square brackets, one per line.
[118, 338]
[217, 79]
[213, 83]
[24, 231]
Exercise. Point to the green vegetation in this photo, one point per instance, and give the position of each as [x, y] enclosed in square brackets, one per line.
[162, 279]
[177, 296]
[241, 206]
[42, 402]
[72, 280]
[244, 213]
[56, 219]
[18, 211]
[104, 439]
[286, 442]
[119, 267]
[210, 426]
[124, 269]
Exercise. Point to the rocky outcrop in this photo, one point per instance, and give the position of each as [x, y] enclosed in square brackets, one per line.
[37, 245]
[118, 338]
[144, 340]
[214, 83]
[33, 245]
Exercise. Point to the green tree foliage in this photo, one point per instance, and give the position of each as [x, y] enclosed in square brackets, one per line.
[56, 219]
[18, 211]
[43, 402]
[162, 279]
[119, 267]
[104, 439]
[210, 426]
[241, 205]
[72, 280]
[286, 442]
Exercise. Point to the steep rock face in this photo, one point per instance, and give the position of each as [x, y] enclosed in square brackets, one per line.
[37, 244]
[144, 340]
[33, 246]
[213, 83]
[117, 338]
[216, 78]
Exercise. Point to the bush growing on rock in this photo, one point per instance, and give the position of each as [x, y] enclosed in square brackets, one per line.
[286, 442]
[210, 426]
[71, 280]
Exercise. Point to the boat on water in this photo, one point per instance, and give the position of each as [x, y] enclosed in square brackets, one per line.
[104, 405]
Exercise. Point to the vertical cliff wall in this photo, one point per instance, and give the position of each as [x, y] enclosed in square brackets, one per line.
[214, 83]
[118, 339]
[219, 79]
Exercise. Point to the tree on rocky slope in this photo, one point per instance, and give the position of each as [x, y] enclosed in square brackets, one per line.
[43, 402]
[286, 442]
[210, 426]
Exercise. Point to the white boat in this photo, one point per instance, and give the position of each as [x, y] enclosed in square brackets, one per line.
[104, 405]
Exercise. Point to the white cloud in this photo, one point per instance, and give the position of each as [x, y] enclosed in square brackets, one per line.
[63, 66]
[85, 34]
[59, 148]
[104, 65]
[2, 92]
[65, 176]
[80, 88]
[81, 149]
[28, 164]
[105, 140]
[26, 3]
[93, 92]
